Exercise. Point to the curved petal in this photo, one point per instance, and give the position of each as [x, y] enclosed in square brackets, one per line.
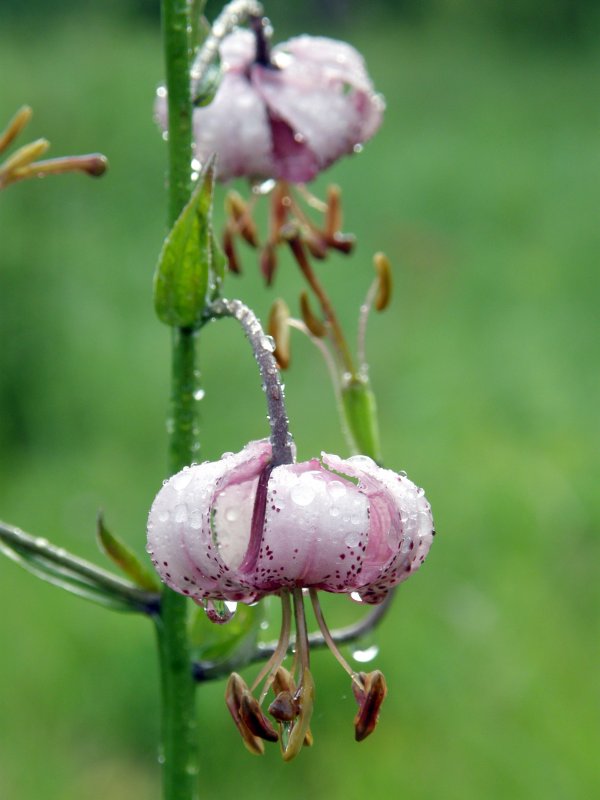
[401, 524]
[235, 126]
[237, 51]
[185, 545]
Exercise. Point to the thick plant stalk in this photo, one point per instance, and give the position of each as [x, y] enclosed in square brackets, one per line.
[179, 747]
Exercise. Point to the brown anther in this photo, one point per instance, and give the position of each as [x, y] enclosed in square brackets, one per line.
[333, 217]
[369, 700]
[283, 681]
[234, 693]
[308, 739]
[312, 322]
[268, 262]
[344, 242]
[257, 723]
[384, 281]
[279, 329]
[238, 210]
[315, 243]
[230, 252]
[284, 708]
[290, 232]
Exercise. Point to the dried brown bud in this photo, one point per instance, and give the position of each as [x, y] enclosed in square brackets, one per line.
[384, 281]
[279, 329]
[312, 322]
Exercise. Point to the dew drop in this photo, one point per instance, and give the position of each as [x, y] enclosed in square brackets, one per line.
[334, 511]
[199, 394]
[356, 597]
[164, 516]
[405, 544]
[302, 495]
[181, 513]
[232, 514]
[182, 479]
[41, 542]
[196, 519]
[358, 148]
[336, 489]
[267, 343]
[364, 656]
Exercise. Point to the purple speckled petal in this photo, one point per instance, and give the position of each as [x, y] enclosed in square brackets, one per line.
[315, 527]
[401, 523]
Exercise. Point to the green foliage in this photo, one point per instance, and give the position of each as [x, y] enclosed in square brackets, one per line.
[213, 642]
[189, 269]
[124, 557]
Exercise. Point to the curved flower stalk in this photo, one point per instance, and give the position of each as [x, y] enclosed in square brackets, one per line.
[238, 529]
[285, 113]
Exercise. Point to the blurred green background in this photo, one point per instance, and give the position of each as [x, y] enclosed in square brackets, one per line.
[483, 187]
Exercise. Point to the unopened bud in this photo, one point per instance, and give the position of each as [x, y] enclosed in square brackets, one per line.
[279, 329]
[312, 322]
[14, 127]
[384, 281]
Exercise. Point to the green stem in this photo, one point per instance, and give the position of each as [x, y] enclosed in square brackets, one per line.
[179, 751]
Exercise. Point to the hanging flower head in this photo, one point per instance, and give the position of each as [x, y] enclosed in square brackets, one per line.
[286, 113]
[239, 528]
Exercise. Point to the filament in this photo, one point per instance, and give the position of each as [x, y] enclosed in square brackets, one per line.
[329, 639]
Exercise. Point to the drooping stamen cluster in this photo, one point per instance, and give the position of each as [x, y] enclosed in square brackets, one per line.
[23, 163]
[239, 529]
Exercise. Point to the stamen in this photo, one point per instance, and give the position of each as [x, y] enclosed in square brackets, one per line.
[279, 329]
[274, 663]
[329, 639]
[379, 296]
[302, 647]
[313, 323]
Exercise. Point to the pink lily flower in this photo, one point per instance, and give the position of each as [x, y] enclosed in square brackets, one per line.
[287, 114]
[237, 530]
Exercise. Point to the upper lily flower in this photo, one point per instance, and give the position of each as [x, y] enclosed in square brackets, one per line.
[286, 113]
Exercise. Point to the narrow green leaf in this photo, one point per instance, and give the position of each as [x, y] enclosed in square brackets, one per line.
[216, 643]
[184, 272]
[56, 566]
[126, 559]
[360, 413]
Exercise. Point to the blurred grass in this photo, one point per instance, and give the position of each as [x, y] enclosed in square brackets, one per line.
[484, 188]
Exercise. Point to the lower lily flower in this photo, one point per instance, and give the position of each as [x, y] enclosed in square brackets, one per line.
[239, 529]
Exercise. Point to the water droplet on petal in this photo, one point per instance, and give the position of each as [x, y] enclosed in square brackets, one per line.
[358, 148]
[356, 597]
[302, 494]
[164, 516]
[336, 489]
[181, 513]
[232, 514]
[182, 479]
[219, 611]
